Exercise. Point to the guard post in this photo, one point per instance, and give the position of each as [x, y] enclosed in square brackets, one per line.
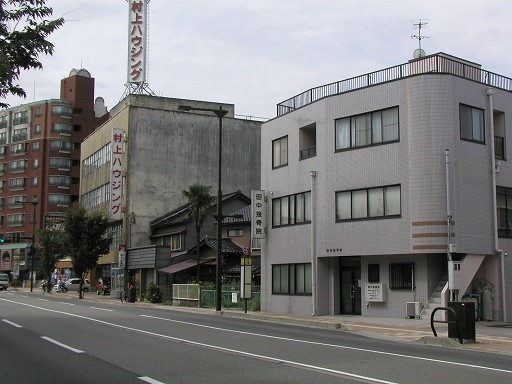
[246, 277]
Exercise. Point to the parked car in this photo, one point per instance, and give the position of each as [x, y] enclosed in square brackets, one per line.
[4, 281]
[102, 286]
[74, 284]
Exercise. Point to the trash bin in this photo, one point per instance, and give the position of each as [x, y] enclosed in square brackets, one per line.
[465, 312]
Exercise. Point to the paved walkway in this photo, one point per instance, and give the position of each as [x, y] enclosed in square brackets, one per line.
[491, 336]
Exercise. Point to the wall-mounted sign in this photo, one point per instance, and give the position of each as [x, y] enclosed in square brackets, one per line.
[258, 214]
[375, 292]
[116, 175]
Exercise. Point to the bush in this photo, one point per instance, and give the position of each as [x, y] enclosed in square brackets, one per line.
[153, 294]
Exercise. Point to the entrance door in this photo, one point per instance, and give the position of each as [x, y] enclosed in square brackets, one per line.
[350, 290]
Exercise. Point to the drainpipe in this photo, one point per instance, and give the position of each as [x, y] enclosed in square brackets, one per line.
[313, 243]
[448, 224]
[498, 251]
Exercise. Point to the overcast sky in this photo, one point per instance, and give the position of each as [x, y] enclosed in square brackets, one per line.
[255, 54]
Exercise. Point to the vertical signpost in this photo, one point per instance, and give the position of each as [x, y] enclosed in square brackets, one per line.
[246, 277]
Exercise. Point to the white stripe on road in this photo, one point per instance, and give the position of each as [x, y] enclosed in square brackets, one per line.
[103, 309]
[11, 323]
[150, 380]
[61, 345]
[62, 302]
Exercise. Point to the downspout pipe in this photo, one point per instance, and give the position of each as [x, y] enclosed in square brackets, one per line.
[448, 222]
[313, 244]
[498, 252]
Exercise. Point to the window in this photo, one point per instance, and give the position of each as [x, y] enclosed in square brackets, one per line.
[175, 242]
[16, 201]
[3, 138]
[373, 273]
[280, 152]
[17, 149]
[367, 129]
[401, 276]
[368, 203]
[62, 110]
[61, 145]
[20, 117]
[96, 197]
[235, 232]
[18, 183]
[34, 181]
[18, 166]
[307, 142]
[18, 219]
[38, 112]
[35, 146]
[35, 163]
[20, 134]
[58, 198]
[59, 181]
[504, 206]
[60, 162]
[62, 127]
[3, 121]
[37, 129]
[291, 279]
[472, 124]
[291, 210]
[97, 159]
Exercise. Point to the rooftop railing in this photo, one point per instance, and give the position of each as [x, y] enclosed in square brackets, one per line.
[438, 63]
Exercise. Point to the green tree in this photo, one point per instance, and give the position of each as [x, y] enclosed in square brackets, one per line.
[199, 208]
[85, 238]
[51, 249]
[24, 28]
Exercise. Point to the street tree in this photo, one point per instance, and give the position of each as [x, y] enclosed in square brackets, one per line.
[86, 239]
[51, 249]
[25, 26]
[199, 208]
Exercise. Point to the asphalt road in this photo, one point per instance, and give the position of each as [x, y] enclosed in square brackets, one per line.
[44, 339]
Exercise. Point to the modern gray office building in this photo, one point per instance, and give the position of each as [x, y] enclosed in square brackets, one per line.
[387, 193]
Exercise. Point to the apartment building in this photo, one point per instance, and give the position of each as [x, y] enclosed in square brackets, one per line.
[40, 163]
[387, 193]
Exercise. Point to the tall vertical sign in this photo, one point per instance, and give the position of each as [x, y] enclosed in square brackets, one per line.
[258, 214]
[116, 175]
[137, 41]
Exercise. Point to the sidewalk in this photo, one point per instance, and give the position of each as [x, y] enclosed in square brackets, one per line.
[491, 336]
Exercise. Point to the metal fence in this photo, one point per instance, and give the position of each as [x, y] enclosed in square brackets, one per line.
[438, 63]
[188, 295]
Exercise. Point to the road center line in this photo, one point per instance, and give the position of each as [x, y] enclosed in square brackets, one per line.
[103, 309]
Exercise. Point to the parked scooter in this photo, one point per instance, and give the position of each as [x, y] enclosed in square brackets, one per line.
[61, 287]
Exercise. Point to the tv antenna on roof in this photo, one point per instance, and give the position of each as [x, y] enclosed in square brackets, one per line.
[419, 52]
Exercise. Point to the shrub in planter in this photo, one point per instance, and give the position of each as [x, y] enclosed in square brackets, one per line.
[153, 294]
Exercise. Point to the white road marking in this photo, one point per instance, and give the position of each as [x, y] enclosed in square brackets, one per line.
[61, 345]
[11, 323]
[103, 309]
[150, 380]
[43, 299]
[62, 302]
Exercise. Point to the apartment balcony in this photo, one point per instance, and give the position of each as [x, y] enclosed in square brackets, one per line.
[16, 138]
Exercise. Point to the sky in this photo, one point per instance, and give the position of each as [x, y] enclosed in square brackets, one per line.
[256, 54]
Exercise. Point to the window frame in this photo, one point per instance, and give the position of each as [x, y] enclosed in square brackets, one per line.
[401, 276]
[291, 210]
[292, 279]
[362, 130]
[364, 204]
[470, 130]
[280, 162]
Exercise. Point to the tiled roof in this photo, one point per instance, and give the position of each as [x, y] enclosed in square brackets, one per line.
[245, 213]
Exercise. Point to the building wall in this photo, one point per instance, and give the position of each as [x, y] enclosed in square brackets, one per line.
[429, 124]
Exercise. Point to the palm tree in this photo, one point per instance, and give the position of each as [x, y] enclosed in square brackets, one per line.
[200, 206]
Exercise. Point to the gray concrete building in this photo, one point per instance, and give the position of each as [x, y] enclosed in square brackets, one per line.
[138, 163]
[388, 193]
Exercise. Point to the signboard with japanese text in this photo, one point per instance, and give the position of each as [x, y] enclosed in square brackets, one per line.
[116, 176]
[258, 214]
[137, 41]
[375, 293]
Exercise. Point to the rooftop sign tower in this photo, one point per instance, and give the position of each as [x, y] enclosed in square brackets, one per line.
[137, 48]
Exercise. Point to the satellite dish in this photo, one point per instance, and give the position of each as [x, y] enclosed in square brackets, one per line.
[418, 53]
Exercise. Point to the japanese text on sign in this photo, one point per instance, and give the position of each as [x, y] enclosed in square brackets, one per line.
[137, 41]
[258, 214]
[116, 176]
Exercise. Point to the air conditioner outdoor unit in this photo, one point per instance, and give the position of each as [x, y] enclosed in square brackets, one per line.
[412, 309]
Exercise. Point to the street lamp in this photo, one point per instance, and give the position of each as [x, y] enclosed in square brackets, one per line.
[220, 113]
[32, 248]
